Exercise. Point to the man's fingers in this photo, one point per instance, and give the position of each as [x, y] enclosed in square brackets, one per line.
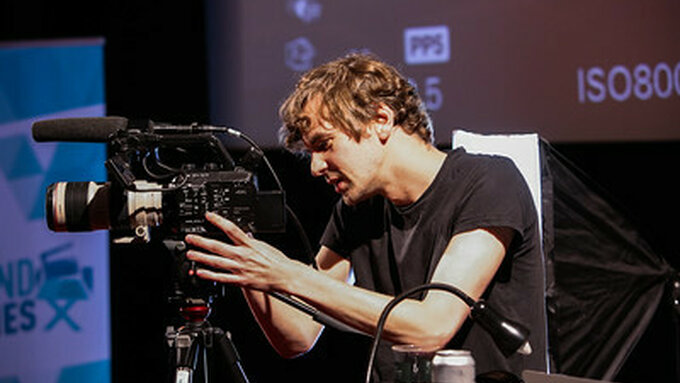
[212, 245]
[218, 277]
[211, 260]
[221, 268]
[229, 228]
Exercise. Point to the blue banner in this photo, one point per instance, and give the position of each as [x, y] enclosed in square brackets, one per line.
[54, 287]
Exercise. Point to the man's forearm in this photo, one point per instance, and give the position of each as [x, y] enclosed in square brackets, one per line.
[427, 323]
[469, 263]
[290, 331]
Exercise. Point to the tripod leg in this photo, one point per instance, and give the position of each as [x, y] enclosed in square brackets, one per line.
[187, 351]
[227, 350]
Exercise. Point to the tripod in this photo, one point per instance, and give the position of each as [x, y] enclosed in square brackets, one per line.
[202, 352]
[197, 346]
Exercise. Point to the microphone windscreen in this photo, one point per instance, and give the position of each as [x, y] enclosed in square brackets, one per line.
[86, 129]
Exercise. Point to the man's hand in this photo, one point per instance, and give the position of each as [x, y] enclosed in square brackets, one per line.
[247, 262]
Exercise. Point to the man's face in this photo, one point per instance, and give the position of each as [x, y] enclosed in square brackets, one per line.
[350, 166]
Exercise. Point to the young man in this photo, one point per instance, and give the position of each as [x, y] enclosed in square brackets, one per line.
[409, 214]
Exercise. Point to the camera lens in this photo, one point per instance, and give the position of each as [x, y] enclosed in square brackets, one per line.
[77, 206]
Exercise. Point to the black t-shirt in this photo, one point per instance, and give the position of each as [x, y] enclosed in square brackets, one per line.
[394, 248]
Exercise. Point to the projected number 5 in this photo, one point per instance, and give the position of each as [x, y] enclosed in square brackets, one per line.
[432, 94]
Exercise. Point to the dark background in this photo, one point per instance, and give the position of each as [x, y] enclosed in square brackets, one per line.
[512, 66]
[155, 56]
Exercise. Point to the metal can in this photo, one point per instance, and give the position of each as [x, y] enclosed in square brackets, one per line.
[453, 366]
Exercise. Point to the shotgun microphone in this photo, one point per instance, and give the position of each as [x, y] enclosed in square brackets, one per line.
[87, 129]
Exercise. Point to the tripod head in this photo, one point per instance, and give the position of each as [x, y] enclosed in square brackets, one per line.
[191, 295]
[195, 314]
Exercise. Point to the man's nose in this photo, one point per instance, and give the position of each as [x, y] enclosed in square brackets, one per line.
[318, 165]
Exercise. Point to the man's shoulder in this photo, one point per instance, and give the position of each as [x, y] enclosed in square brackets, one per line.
[478, 165]
[460, 156]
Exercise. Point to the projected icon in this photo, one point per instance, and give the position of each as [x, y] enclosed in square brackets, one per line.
[64, 285]
[426, 45]
[307, 11]
[299, 54]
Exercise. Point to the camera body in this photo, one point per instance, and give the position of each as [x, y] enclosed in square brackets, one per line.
[164, 179]
[231, 194]
[165, 183]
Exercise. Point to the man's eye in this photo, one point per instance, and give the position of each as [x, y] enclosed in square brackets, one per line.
[322, 146]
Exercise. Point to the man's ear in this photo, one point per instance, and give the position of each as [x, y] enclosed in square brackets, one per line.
[383, 122]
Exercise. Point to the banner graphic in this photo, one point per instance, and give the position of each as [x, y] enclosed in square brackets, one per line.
[54, 287]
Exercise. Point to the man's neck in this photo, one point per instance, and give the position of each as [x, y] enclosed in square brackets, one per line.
[412, 167]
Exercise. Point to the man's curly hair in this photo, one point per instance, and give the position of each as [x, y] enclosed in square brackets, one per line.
[350, 90]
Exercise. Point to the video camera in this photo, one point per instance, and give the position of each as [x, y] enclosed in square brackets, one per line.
[164, 179]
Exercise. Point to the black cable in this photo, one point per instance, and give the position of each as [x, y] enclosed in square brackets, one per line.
[153, 174]
[303, 237]
[253, 144]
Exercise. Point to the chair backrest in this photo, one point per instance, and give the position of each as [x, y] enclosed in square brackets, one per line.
[525, 151]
